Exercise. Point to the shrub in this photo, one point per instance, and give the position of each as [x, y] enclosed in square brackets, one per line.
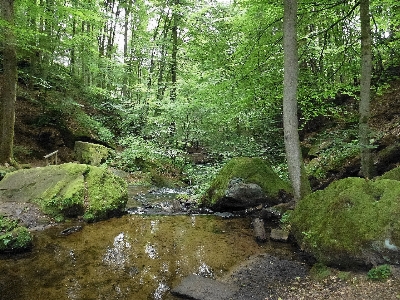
[13, 237]
[380, 272]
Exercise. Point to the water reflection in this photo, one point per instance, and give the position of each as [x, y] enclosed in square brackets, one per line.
[132, 257]
[151, 250]
[118, 255]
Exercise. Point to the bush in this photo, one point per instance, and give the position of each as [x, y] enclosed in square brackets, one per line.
[381, 272]
[148, 157]
[13, 237]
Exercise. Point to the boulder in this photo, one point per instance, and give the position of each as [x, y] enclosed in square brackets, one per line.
[67, 190]
[279, 235]
[91, 154]
[352, 222]
[200, 288]
[245, 182]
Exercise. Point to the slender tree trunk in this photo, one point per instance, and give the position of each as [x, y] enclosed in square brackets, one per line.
[174, 54]
[364, 109]
[127, 60]
[153, 52]
[8, 85]
[297, 174]
[161, 84]
[72, 57]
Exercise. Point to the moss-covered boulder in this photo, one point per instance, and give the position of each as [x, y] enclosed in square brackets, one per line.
[67, 190]
[393, 174]
[252, 178]
[13, 237]
[91, 154]
[352, 222]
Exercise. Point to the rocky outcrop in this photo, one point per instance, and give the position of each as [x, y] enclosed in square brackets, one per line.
[66, 191]
[91, 154]
[352, 222]
[246, 182]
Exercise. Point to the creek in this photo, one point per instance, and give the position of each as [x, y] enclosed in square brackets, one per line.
[140, 255]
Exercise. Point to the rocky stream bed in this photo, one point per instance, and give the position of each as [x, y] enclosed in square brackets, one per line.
[162, 249]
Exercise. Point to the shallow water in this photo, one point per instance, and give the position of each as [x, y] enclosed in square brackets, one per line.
[131, 257]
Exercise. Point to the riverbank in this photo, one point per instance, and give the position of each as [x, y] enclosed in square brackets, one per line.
[266, 278]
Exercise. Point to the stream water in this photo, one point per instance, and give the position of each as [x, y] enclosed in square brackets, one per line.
[136, 256]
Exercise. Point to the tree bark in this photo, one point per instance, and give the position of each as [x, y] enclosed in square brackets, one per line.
[297, 174]
[174, 54]
[9, 84]
[365, 94]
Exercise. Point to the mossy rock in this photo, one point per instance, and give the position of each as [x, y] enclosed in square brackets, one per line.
[5, 169]
[249, 171]
[67, 191]
[13, 237]
[91, 154]
[352, 222]
[393, 174]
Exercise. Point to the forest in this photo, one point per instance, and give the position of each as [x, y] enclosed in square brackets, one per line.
[162, 77]
[178, 90]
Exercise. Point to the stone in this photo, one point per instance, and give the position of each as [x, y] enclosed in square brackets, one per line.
[200, 288]
[67, 191]
[353, 222]
[259, 230]
[245, 182]
[279, 235]
[91, 154]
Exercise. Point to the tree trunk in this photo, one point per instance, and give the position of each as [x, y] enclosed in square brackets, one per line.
[8, 85]
[365, 85]
[297, 174]
[174, 54]
[127, 61]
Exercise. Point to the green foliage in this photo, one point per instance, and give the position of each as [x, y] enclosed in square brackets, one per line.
[140, 154]
[13, 237]
[332, 149]
[200, 177]
[285, 221]
[229, 73]
[381, 272]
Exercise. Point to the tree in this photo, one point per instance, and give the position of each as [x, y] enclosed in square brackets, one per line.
[365, 84]
[297, 174]
[8, 83]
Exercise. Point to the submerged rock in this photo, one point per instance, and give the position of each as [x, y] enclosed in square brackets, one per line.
[352, 222]
[243, 183]
[68, 190]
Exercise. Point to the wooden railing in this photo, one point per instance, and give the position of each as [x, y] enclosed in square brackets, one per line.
[51, 158]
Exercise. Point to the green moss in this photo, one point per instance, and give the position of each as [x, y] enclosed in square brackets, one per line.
[393, 174]
[92, 154]
[65, 197]
[107, 194]
[68, 190]
[348, 216]
[13, 237]
[251, 170]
